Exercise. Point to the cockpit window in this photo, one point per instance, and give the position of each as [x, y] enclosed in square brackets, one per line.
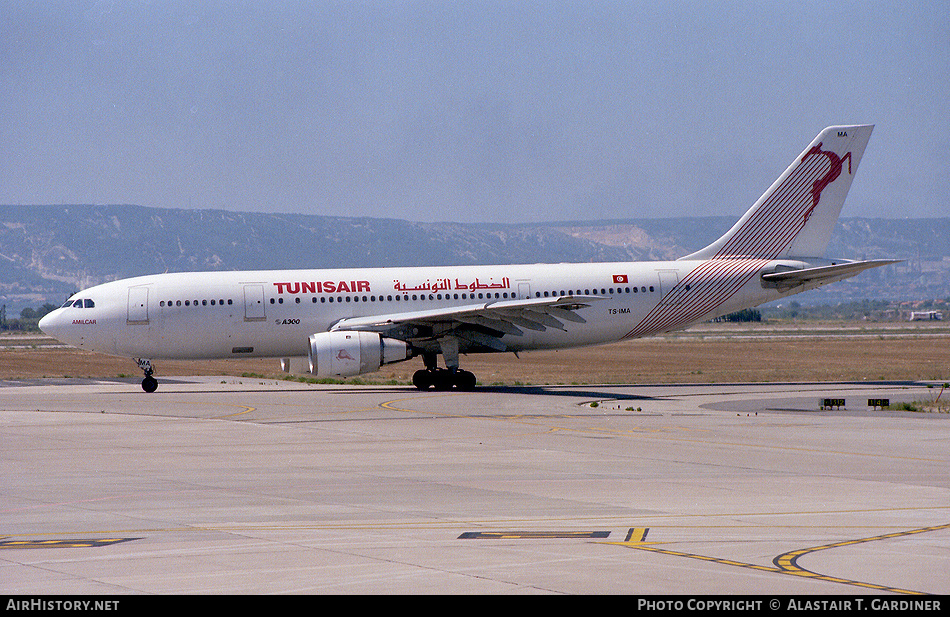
[80, 303]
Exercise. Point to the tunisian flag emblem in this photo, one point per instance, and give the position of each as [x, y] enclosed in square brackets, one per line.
[620, 279]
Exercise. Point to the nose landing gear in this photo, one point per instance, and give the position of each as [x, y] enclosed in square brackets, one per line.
[149, 384]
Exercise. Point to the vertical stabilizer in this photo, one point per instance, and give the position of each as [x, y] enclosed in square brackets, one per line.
[796, 216]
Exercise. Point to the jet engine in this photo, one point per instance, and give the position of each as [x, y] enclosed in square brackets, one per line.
[345, 354]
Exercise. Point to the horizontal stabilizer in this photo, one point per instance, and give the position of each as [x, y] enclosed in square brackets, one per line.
[823, 274]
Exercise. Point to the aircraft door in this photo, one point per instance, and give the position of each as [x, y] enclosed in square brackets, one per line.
[138, 305]
[524, 291]
[668, 280]
[254, 303]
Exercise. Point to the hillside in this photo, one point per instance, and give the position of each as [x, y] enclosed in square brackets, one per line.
[47, 252]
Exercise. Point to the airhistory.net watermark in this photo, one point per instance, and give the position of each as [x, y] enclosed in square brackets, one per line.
[47, 604]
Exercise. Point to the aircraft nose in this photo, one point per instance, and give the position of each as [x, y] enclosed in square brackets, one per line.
[50, 324]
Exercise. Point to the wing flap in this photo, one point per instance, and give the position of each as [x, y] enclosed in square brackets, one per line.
[500, 325]
[498, 318]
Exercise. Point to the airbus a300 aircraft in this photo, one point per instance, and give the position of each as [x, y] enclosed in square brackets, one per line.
[351, 321]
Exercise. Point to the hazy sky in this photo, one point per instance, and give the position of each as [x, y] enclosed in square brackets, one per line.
[467, 111]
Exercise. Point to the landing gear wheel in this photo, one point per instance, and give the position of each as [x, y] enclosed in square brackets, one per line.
[422, 379]
[150, 384]
[443, 380]
[465, 380]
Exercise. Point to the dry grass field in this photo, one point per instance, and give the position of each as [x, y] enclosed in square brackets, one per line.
[711, 353]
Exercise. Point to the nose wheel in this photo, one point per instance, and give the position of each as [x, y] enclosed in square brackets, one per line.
[149, 384]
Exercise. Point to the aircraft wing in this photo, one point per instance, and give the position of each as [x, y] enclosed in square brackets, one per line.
[823, 274]
[481, 324]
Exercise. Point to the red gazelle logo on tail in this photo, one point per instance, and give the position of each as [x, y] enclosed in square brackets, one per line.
[828, 178]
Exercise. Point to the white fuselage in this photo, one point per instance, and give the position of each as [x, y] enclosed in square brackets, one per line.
[272, 313]
[351, 321]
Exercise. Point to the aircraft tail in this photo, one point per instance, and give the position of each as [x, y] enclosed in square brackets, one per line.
[796, 216]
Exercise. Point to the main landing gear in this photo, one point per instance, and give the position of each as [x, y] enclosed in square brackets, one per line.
[149, 384]
[443, 378]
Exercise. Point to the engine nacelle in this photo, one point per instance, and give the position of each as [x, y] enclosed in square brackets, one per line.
[345, 354]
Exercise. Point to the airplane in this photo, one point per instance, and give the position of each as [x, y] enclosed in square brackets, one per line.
[348, 322]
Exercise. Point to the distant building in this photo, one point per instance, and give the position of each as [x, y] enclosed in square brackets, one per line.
[926, 316]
